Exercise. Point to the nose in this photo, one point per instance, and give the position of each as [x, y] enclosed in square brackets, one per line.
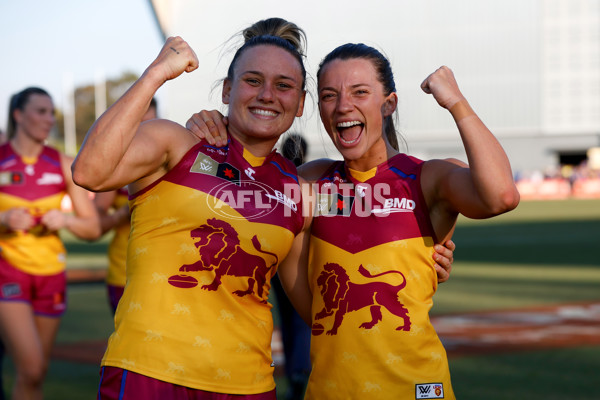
[344, 103]
[266, 93]
[50, 119]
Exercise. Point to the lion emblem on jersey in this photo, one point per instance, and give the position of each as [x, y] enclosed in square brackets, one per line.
[219, 246]
[341, 296]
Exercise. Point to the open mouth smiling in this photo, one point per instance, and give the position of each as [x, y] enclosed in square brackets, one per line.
[262, 112]
[349, 132]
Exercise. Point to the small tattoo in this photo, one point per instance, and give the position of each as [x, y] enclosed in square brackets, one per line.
[172, 48]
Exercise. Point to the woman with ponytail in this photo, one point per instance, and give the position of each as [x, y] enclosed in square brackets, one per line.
[194, 321]
[34, 178]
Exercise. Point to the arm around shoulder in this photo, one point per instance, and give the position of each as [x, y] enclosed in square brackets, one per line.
[313, 170]
[293, 274]
[293, 270]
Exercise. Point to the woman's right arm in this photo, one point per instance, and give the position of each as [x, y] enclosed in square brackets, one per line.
[293, 274]
[107, 159]
[293, 270]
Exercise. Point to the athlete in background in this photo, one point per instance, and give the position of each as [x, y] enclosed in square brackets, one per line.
[33, 180]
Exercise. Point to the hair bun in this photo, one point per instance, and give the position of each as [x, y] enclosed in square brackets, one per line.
[278, 27]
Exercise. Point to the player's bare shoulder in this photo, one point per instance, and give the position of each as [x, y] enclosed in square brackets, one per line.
[313, 170]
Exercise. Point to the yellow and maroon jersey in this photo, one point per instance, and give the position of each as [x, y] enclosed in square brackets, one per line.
[372, 276]
[117, 249]
[205, 241]
[39, 186]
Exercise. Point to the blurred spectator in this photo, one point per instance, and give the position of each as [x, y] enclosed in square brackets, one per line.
[566, 181]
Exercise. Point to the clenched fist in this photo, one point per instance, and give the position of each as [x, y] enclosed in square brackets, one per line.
[442, 85]
[175, 58]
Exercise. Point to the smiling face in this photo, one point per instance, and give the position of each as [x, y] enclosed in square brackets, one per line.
[352, 105]
[264, 97]
[36, 119]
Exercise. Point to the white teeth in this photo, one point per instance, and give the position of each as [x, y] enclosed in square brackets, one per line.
[349, 141]
[348, 124]
[264, 112]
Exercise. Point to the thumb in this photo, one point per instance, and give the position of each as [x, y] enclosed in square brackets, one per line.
[425, 86]
[193, 63]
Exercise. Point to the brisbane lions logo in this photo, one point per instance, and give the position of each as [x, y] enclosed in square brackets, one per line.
[220, 251]
[342, 296]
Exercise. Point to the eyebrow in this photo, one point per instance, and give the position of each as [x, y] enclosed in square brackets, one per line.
[261, 74]
[351, 87]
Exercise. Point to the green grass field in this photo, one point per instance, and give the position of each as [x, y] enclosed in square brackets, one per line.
[542, 253]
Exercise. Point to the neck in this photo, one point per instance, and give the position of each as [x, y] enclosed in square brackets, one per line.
[256, 146]
[24, 146]
[377, 154]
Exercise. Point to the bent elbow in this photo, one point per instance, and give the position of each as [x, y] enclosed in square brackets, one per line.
[95, 232]
[507, 201]
[78, 176]
[82, 177]
[91, 236]
[95, 235]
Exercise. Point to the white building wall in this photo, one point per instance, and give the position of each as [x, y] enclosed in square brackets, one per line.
[530, 68]
[570, 54]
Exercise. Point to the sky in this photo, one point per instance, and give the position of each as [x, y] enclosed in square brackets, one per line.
[68, 43]
[62, 44]
[57, 44]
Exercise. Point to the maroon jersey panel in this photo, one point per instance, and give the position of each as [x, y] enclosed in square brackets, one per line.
[30, 181]
[355, 216]
[265, 193]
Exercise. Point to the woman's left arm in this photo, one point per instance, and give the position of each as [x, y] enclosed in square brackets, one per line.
[84, 222]
[485, 187]
[293, 270]
[293, 275]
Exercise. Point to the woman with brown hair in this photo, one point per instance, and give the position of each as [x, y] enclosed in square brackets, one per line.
[34, 178]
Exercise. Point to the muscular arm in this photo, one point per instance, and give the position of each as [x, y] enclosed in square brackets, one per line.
[112, 154]
[481, 189]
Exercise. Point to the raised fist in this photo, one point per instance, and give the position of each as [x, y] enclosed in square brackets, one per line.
[442, 85]
[175, 58]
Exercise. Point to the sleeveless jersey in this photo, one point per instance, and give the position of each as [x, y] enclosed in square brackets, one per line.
[372, 277]
[205, 241]
[117, 249]
[39, 186]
